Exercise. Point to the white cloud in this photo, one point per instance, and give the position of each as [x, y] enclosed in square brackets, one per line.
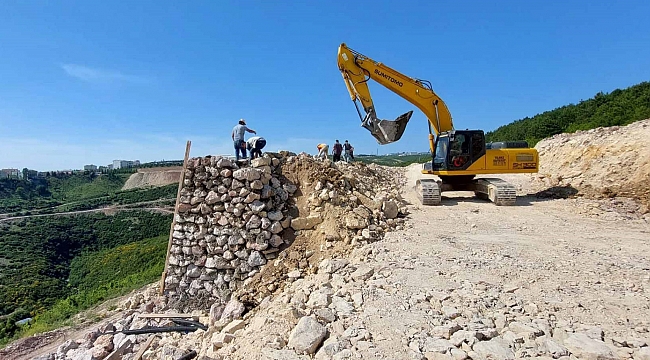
[94, 75]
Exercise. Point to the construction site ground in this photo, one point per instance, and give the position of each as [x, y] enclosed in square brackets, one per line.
[558, 275]
[543, 254]
[547, 261]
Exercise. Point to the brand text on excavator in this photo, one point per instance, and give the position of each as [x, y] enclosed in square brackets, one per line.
[389, 78]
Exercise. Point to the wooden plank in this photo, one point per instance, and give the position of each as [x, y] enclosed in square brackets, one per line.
[144, 347]
[117, 354]
[171, 229]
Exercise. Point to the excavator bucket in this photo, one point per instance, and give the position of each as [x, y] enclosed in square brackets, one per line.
[386, 131]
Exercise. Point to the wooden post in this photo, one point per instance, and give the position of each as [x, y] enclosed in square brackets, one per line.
[171, 229]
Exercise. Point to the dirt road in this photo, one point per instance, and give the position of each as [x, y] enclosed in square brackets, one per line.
[534, 261]
[471, 279]
[105, 209]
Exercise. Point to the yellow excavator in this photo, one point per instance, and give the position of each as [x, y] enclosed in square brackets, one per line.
[458, 156]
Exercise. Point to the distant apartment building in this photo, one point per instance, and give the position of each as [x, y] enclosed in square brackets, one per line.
[90, 167]
[29, 174]
[10, 174]
[121, 164]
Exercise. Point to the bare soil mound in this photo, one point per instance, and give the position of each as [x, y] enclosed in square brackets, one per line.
[153, 177]
[599, 163]
[335, 193]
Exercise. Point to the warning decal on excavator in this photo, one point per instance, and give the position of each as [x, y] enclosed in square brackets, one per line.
[499, 161]
[524, 165]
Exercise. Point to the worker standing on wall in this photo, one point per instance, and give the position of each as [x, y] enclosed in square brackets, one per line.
[238, 138]
[347, 147]
[337, 150]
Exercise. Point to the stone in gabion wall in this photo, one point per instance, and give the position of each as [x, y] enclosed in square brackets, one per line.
[229, 222]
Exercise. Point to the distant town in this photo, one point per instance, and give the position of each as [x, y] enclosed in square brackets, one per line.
[26, 174]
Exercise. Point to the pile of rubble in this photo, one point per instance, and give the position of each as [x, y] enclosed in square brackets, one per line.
[232, 221]
[241, 236]
[326, 316]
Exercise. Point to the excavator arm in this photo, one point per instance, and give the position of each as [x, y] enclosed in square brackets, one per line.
[357, 69]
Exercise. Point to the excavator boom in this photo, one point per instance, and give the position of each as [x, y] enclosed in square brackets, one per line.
[357, 69]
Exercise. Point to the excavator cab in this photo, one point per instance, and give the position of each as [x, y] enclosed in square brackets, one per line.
[458, 149]
[386, 131]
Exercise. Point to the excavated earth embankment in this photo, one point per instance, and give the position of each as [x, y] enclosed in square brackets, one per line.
[604, 162]
[153, 177]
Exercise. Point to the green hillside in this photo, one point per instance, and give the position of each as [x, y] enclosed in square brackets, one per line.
[620, 107]
[45, 260]
[100, 275]
[81, 186]
[23, 195]
[73, 192]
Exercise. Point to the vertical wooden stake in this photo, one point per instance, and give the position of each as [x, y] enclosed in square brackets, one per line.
[171, 229]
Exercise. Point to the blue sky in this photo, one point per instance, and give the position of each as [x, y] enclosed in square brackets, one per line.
[91, 81]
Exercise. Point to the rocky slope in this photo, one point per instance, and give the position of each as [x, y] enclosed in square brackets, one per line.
[599, 163]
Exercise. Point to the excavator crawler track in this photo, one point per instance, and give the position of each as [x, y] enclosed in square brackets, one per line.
[428, 191]
[498, 191]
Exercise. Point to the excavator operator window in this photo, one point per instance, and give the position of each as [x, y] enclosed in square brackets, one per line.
[459, 155]
[478, 145]
[458, 145]
[440, 158]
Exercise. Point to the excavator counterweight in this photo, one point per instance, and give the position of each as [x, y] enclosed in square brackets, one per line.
[386, 131]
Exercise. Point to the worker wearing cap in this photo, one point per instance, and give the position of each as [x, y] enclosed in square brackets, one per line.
[323, 150]
[238, 138]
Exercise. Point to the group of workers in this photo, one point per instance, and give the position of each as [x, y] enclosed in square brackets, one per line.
[256, 143]
[346, 149]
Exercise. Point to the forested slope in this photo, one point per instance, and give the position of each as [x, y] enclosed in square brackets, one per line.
[77, 192]
[45, 260]
[620, 107]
